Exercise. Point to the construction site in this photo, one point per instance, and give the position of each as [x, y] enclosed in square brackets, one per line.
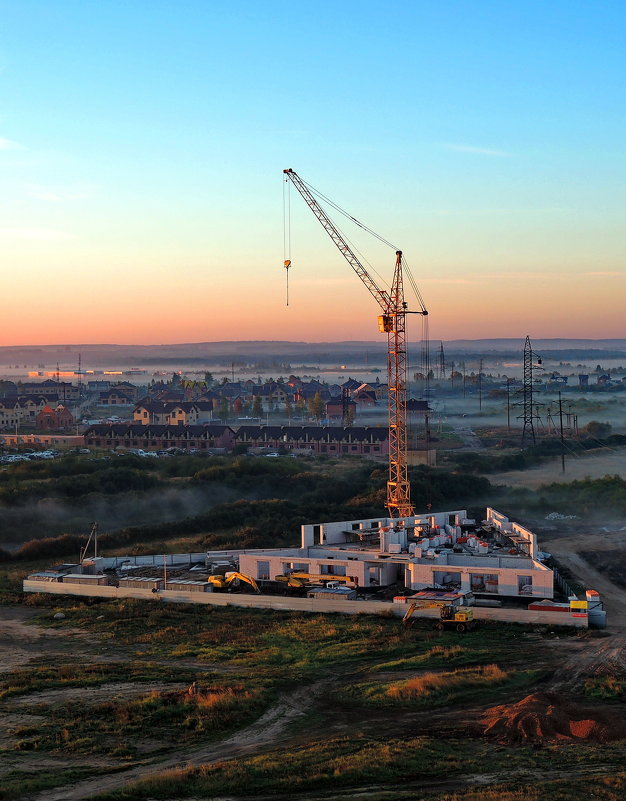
[369, 658]
[480, 563]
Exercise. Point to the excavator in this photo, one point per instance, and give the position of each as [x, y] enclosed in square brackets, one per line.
[223, 582]
[451, 616]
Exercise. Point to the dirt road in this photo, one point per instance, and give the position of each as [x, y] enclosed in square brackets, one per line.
[594, 464]
[567, 550]
[266, 732]
[20, 642]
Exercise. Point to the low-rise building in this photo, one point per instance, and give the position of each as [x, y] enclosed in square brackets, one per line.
[58, 419]
[337, 440]
[159, 437]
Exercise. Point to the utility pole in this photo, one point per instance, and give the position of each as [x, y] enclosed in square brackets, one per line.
[562, 440]
[508, 405]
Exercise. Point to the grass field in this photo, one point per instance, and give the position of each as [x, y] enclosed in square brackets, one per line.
[126, 691]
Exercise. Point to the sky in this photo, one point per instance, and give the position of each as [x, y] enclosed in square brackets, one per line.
[142, 146]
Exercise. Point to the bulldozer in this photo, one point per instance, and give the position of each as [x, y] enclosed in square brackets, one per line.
[451, 616]
[224, 582]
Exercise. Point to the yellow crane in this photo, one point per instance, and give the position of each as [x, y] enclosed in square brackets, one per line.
[392, 321]
[302, 579]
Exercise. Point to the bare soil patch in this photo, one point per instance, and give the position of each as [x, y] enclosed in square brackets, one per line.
[610, 562]
[20, 642]
[92, 695]
[546, 717]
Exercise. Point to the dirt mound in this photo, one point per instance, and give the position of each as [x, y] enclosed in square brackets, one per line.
[543, 717]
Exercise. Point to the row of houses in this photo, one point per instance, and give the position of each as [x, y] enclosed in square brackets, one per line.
[45, 418]
[339, 440]
[272, 395]
[32, 410]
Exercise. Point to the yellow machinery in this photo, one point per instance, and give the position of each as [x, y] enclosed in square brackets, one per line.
[301, 579]
[451, 615]
[224, 582]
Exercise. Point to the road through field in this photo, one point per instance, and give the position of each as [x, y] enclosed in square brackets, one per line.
[265, 732]
[593, 464]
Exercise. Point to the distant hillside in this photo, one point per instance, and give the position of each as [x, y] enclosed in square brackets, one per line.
[312, 353]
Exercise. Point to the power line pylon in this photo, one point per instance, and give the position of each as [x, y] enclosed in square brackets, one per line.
[529, 414]
[442, 363]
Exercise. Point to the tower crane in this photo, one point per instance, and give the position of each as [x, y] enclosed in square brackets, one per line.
[392, 321]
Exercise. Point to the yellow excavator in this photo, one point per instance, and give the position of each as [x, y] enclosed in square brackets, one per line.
[451, 616]
[224, 582]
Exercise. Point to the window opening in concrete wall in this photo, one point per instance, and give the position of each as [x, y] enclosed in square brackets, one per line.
[291, 566]
[373, 574]
[525, 585]
[443, 578]
[484, 582]
[333, 570]
[263, 570]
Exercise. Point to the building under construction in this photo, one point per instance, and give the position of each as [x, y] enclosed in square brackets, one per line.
[495, 558]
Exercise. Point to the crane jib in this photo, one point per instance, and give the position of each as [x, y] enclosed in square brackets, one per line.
[393, 323]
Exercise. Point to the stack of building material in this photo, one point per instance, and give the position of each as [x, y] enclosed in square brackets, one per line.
[141, 583]
[189, 585]
[83, 578]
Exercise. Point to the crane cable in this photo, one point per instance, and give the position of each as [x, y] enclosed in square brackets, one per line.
[380, 238]
[348, 215]
[287, 230]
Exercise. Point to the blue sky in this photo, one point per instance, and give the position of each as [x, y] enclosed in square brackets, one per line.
[142, 144]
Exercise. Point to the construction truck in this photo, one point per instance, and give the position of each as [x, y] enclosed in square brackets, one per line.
[224, 582]
[451, 616]
[302, 579]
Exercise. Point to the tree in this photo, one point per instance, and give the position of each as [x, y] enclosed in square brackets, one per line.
[175, 379]
[300, 407]
[317, 407]
[349, 419]
[223, 410]
[257, 407]
[288, 408]
[238, 405]
[270, 402]
[597, 430]
[208, 378]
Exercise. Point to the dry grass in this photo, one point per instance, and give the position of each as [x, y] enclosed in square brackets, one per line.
[436, 683]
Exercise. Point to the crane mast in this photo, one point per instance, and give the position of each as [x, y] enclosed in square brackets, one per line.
[392, 321]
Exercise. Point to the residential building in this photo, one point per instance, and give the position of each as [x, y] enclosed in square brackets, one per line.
[160, 437]
[337, 440]
[58, 419]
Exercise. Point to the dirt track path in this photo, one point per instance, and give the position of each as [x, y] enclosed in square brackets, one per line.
[594, 464]
[20, 642]
[409, 789]
[264, 732]
[565, 550]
